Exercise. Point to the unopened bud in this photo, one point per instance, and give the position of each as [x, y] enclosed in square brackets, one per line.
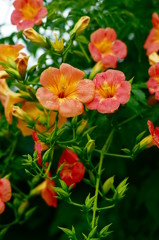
[22, 63]
[19, 113]
[82, 127]
[108, 184]
[121, 189]
[22, 208]
[80, 26]
[35, 37]
[90, 146]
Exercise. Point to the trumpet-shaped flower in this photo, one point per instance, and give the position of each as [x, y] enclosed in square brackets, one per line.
[106, 49]
[8, 98]
[5, 193]
[28, 13]
[46, 189]
[64, 90]
[152, 42]
[9, 52]
[152, 139]
[153, 82]
[111, 90]
[73, 170]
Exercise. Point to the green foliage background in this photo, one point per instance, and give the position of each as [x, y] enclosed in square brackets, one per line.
[136, 217]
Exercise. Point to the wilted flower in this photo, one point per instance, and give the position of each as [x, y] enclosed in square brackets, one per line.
[5, 193]
[106, 49]
[111, 90]
[152, 44]
[153, 83]
[28, 13]
[72, 171]
[64, 90]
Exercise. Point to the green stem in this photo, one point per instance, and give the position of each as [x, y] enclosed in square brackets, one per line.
[105, 208]
[104, 149]
[84, 52]
[114, 155]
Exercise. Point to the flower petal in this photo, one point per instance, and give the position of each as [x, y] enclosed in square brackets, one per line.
[47, 99]
[41, 14]
[151, 127]
[36, 3]
[2, 206]
[154, 70]
[16, 17]
[96, 55]
[70, 73]
[152, 85]
[70, 108]
[85, 90]
[98, 35]
[50, 78]
[93, 104]
[25, 24]
[5, 190]
[68, 156]
[114, 76]
[109, 61]
[19, 4]
[48, 194]
[123, 92]
[120, 49]
[155, 20]
[78, 172]
[109, 105]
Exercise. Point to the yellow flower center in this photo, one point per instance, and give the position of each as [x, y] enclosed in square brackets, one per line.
[107, 91]
[105, 47]
[28, 12]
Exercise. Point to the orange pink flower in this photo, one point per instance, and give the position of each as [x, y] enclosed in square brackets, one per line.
[111, 90]
[65, 90]
[106, 49]
[9, 51]
[8, 98]
[153, 82]
[5, 193]
[28, 13]
[152, 42]
[73, 170]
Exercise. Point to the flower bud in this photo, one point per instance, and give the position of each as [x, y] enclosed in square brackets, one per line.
[121, 189]
[22, 63]
[3, 74]
[80, 26]
[90, 146]
[35, 37]
[82, 127]
[58, 45]
[19, 113]
[108, 184]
